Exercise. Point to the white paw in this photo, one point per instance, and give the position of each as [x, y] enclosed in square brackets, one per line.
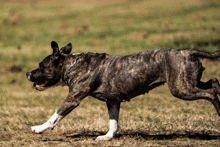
[38, 129]
[104, 137]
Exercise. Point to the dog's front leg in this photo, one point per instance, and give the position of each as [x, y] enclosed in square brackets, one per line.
[54, 119]
[113, 110]
[67, 106]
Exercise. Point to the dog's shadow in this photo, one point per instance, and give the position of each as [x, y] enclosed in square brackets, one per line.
[147, 136]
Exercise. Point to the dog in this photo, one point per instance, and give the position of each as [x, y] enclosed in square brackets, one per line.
[118, 78]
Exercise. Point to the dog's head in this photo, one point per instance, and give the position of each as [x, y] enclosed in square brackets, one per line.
[49, 72]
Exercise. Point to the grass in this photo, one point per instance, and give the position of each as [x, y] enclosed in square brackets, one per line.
[116, 27]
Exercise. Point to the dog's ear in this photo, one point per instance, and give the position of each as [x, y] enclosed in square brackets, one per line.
[66, 49]
[55, 48]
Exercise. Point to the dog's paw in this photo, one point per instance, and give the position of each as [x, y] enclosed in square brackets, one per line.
[104, 137]
[38, 129]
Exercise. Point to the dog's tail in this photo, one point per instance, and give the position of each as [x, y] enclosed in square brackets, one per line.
[203, 54]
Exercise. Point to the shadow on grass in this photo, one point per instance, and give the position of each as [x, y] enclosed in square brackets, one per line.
[152, 135]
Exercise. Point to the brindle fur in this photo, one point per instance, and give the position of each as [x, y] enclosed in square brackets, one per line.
[118, 78]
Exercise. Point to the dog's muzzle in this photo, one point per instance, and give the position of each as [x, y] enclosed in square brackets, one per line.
[37, 87]
[28, 75]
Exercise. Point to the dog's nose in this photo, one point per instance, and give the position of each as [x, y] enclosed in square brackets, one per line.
[27, 74]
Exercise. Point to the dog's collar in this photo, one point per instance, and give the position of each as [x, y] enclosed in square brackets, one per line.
[71, 66]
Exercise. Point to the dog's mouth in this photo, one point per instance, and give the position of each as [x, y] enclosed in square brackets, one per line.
[40, 87]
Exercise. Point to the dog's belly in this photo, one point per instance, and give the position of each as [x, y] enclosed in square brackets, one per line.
[129, 84]
[123, 93]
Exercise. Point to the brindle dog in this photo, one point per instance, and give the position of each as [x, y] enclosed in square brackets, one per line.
[117, 78]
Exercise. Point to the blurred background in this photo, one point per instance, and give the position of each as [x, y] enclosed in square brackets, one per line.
[116, 26]
[122, 27]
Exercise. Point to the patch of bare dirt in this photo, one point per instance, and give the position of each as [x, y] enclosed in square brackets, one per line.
[13, 68]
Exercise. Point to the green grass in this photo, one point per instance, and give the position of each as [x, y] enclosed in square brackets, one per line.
[116, 27]
[166, 24]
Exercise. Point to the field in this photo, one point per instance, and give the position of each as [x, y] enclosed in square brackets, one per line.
[115, 27]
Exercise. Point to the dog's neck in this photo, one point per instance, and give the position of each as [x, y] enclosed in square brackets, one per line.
[65, 78]
[72, 65]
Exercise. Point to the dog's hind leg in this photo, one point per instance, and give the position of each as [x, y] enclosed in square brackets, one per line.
[207, 90]
[113, 110]
[212, 83]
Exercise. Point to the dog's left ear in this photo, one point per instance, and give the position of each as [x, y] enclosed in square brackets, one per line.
[66, 49]
[55, 48]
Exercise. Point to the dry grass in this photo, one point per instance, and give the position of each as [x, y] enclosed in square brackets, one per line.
[115, 27]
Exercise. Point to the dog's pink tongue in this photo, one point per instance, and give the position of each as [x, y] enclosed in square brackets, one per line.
[40, 87]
